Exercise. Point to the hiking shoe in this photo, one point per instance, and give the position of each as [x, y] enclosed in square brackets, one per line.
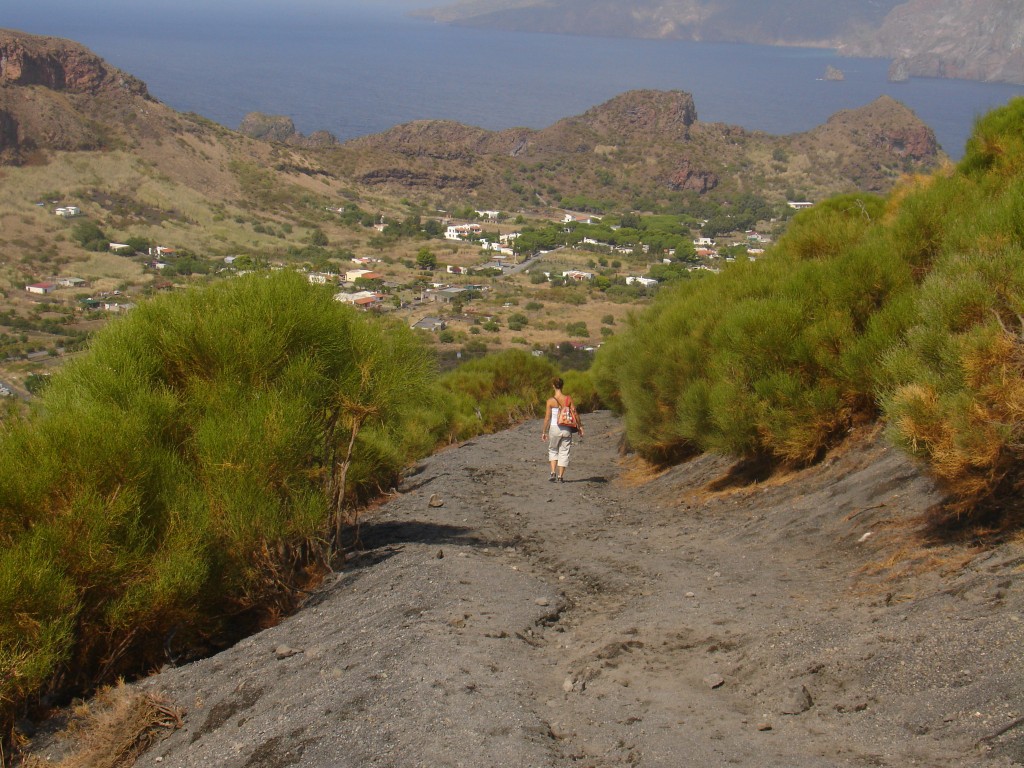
[552, 478]
[561, 479]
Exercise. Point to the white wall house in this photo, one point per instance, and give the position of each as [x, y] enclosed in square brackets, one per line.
[462, 231]
[647, 282]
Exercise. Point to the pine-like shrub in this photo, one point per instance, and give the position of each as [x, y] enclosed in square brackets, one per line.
[910, 308]
[494, 392]
[169, 480]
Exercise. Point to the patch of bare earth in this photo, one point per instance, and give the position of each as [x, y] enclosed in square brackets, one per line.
[630, 618]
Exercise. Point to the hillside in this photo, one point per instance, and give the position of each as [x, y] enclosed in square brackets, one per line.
[683, 618]
[57, 96]
[952, 38]
[77, 131]
[644, 146]
[198, 470]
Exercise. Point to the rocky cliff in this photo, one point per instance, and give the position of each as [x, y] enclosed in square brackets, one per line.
[59, 65]
[967, 39]
[281, 129]
[56, 94]
[970, 39]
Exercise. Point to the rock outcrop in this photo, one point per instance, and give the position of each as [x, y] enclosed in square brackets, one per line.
[281, 129]
[56, 94]
[642, 114]
[59, 65]
[644, 144]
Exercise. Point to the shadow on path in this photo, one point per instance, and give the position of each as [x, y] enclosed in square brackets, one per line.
[376, 535]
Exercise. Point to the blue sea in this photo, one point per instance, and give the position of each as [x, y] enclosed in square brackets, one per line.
[356, 70]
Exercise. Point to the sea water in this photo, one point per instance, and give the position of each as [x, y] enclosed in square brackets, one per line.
[360, 69]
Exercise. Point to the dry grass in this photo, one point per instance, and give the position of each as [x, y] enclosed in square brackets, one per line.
[637, 471]
[907, 552]
[113, 729]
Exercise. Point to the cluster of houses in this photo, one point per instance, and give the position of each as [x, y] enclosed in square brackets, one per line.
[502, 248]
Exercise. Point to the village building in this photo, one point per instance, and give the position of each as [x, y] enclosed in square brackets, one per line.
[578, 275]
[321, 278]
[68, 211]
[462, 231]
[578, 218]
[647, 282]
[446, 295]
[41, 288]
[360, 299]
[430, 323]
[367, 274]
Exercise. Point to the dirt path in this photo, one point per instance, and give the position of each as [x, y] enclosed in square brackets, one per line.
[609, 622]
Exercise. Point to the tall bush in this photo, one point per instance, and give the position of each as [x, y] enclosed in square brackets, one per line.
[911, 308]
[175, 476]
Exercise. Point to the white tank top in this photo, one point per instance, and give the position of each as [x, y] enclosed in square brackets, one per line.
[554, 418]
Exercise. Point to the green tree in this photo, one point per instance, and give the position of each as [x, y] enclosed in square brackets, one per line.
[318, 238]
[88, 234]
[138, 244]
[425, 258]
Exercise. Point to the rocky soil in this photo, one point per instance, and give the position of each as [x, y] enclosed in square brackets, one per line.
[689, 618]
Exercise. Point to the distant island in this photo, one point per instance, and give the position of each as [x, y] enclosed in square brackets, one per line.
[978, 40]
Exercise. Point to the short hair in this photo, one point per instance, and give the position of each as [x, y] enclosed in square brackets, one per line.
[557, 382]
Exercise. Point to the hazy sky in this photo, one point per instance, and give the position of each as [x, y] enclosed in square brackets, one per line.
[241, 5]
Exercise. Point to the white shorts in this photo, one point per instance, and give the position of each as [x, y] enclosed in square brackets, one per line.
[560, 445]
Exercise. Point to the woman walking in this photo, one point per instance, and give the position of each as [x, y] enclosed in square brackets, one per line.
[559, 436]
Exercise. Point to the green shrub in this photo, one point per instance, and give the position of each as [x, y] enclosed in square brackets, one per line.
[165, 475]
[908, 308]
[497, 391]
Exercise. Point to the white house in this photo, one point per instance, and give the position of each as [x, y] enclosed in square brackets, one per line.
[68, 211]
[120, 247]
[41, 288]
[492, 215]
[361, 299]
[462, 231]
[579, 218]
[704, 242]
[117, 307]
[578, 275]
[799, 205]
[321, 278]
[647, 282]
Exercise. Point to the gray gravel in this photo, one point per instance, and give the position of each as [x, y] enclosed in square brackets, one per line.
[688, 618]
